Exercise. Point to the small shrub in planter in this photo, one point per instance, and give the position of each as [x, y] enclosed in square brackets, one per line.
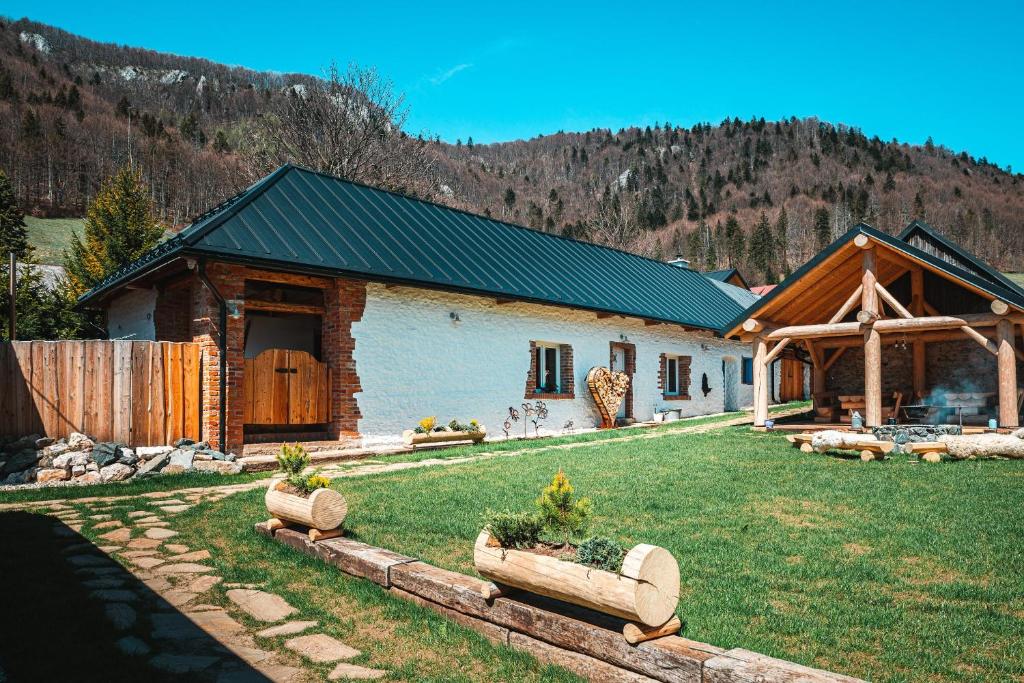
[562, 513]
[514, 529]
[601, 552]
[303, 498]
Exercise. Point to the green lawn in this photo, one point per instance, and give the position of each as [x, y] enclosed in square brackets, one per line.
[51, 236]
[888, 571]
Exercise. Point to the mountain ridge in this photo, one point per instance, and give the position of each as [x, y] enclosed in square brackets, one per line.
[659, 190]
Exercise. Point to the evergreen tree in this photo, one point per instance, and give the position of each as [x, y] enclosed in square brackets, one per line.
[119, 227]
[919, 206]
[13, 231]
[822, 228]
[782, 242]
[762, 249]
[735, 242]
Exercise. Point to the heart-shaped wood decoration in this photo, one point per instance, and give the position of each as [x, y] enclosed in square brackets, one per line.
[609, 391]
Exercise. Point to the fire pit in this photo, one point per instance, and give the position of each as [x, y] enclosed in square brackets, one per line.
[914, 433]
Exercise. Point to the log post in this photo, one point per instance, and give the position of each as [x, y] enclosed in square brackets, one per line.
[760, 381]
[920, 351]
[1007, 368]
[872, 343]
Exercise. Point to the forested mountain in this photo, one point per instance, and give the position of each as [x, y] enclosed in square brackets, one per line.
[73, 110]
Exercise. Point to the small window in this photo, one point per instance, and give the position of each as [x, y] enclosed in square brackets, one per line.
[748, 370]
[548, 380]
[671, 376]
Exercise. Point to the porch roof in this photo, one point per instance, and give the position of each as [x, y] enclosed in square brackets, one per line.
[818, 283]
[299, 220]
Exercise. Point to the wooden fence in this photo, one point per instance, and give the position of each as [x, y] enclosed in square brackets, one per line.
[139, 393]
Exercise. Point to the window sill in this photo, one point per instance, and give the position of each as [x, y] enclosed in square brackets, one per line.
[675, 397]
[548, 397]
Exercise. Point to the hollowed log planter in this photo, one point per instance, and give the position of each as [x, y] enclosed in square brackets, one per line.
[324, 510]
[413, 439]
[647, 590]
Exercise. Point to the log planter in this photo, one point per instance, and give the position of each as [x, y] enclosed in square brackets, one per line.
[646, 591]
[322, 512]
[412, 438]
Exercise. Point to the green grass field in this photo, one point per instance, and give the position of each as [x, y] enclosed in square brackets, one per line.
[890, 571]
[51, 236]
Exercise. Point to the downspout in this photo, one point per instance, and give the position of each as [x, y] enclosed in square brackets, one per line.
[222, 339]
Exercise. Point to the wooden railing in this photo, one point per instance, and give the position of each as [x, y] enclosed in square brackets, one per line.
[139, 393]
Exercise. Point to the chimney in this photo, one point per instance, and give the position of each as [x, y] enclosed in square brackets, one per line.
[680, 262]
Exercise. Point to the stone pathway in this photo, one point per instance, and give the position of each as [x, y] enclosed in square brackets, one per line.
[161, 603]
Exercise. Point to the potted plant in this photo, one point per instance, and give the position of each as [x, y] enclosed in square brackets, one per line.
[428, 431]
[641, 585]
[305, 499]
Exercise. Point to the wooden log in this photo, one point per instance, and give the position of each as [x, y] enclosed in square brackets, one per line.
[1000, 307]
[760, 381]
[1007, 370]
[890, 325]
[273, 524]
[776, 350]
[848, 305]
[925, 447]
[743, 666]
[316, 535]
[412, 438]
[646, 590]
[638, 633]
[491, 591]
[752, 325]
[862, 241]
[872, 343]
[325, 509]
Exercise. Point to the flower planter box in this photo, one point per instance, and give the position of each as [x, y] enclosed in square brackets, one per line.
[646, 592]
[323, 511]
[411, 438]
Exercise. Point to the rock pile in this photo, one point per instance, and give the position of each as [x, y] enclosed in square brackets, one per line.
[81, 460]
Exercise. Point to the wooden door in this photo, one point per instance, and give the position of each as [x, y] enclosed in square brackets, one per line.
[285, 387]
[792, 382]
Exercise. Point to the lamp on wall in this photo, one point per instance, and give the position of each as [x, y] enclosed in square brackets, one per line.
[454, 316]
[705, 347]
[623, 338]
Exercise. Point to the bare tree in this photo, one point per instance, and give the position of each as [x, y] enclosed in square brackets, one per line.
[348, 124]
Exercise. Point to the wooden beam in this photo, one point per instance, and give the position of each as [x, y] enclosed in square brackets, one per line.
[282, 307]
[752, 325]
[760, 381]
[867, 317]
[288, 278]
[872, 341]
[985, 342]
[938, 322]
[650, 323]
[502, 302]
[920, 350]
[892, 301]
[602, 316]
[776, 350]
[862, 241]
[1007, 369]
[848, 306]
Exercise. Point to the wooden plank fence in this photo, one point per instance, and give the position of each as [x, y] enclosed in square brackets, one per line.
[139, 393]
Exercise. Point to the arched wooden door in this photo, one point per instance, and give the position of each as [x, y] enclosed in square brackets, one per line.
[284, 387]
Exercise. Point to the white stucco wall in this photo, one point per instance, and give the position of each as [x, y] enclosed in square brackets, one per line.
[130, 316]
[414, 361]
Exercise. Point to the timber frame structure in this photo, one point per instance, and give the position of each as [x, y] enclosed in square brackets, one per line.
[870, 290]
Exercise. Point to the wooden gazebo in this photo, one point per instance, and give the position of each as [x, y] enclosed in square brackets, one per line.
[923, 314]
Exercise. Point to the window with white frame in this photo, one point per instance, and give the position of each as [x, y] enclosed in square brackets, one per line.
[675, 377]
[548, 364]
[671, 376]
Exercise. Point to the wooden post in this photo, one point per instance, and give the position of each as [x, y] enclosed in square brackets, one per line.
[920, 350]
[12, 313]
[1007, 368]
[760, 381]
[872, 343]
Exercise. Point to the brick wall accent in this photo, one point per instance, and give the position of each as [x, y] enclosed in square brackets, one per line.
[630, 369]
[173, 314]
[566, 375]
[684, 377]
[344, 303]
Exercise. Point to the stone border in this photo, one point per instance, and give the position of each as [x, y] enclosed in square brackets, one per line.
[585, 642]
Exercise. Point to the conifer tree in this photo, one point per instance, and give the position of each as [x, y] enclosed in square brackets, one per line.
[762, 249]
[735, 241]
[822, 228]
[119, 227]
[782, 241]
[13, 231]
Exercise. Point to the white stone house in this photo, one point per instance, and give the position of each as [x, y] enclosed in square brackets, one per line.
[332, 310]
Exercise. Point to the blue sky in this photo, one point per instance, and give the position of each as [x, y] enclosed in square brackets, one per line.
[501, 71]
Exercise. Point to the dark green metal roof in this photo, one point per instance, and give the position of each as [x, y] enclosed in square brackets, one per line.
[971, 263]
[724, 275]
[303, 220]
[1013, 296]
